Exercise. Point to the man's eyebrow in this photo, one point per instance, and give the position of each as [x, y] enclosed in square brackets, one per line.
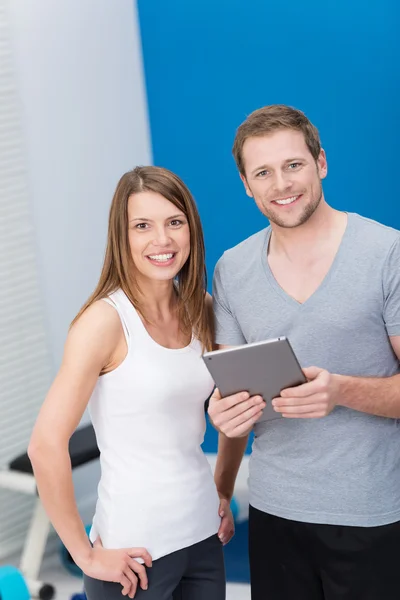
[295, 159]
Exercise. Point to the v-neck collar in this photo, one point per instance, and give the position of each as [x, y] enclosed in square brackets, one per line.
[280, 291]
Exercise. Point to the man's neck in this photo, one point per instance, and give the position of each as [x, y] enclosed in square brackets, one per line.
[307, 241]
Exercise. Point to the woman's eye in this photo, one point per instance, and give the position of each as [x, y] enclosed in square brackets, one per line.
[176, 222]
[141, 226]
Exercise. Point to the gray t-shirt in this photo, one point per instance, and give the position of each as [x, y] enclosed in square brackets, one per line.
[342, 469]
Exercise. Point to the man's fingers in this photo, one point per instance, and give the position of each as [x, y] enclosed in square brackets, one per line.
[222, 404]
[239, 428]
[141, 553]
[315, 376]
[246, 409]
[303, 390]
[216, 395]
[312, 372]
[244, 417]
[235, 415]
[140, 572]
[315, 399]
[231, 401]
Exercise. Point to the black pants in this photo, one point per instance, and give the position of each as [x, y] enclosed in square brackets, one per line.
[194, 573]
[290, 560]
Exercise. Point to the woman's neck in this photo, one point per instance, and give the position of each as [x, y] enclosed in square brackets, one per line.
[159, 299]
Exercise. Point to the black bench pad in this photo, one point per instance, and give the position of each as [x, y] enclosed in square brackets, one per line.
[82, 448]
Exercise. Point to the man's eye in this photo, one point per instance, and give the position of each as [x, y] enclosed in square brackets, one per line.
[294, 165]
[262, 173]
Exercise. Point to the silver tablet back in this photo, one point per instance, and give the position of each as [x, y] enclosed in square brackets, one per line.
[263, 368]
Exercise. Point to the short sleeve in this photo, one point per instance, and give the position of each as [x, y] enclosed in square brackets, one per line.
[391, 290]
[227, 329]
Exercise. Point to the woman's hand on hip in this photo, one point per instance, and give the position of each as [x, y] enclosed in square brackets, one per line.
[226, 530]
[119, 566]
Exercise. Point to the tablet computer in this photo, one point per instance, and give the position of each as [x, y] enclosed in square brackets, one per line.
[261, 368]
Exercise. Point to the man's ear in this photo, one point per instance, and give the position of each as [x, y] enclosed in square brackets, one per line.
[322, 164]
[246, 187]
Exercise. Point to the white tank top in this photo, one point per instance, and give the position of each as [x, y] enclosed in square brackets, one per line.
[156, 488]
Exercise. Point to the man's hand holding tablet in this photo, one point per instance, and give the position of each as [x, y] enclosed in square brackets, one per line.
[273, 383]
[235, 415]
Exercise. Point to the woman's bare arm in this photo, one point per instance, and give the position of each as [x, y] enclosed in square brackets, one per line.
[90, 348]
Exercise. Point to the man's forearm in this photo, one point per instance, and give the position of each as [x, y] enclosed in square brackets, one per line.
[374, 395]
[230, 454]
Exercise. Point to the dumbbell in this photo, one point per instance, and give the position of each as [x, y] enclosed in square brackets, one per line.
[40, 590]
[14, 587]
[12, 584]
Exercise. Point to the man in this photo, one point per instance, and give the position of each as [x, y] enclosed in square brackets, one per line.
[324, 480]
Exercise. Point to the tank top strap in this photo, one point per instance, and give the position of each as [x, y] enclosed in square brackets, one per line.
[131, 322]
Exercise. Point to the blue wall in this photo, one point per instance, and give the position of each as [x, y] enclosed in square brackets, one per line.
[208, 63]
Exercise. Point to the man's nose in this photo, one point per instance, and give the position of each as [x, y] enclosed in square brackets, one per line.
[282, 182]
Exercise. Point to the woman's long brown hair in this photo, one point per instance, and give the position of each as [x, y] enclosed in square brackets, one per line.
[119, 270]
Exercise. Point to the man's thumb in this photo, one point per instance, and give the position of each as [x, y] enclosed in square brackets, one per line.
[216, 395]
[312, 372]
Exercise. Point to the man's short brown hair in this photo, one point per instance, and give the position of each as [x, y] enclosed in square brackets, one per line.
[269, 119]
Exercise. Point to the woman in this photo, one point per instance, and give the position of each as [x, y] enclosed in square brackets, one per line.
[133, 355]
